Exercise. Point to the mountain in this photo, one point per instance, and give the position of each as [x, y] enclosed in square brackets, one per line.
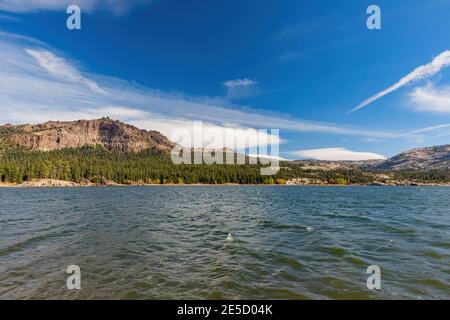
[431, 158]
[437, 157]
[117, 136]
[105, 132]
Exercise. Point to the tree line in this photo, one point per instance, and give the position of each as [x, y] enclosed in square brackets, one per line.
[95, 164]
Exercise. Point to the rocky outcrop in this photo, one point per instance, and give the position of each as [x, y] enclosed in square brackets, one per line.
[419, 159]
[62, 183]
[319, 165]
[47, 183]
[104, 133]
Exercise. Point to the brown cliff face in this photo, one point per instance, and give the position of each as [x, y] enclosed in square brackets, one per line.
[110, 134]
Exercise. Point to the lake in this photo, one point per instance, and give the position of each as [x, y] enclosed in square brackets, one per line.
[173, 242]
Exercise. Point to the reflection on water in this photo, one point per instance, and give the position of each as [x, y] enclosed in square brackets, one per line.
[174, 242]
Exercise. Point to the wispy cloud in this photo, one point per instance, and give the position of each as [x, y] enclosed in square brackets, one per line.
[60, 69]
[240, 83]
[443, 135]
[337, 154]
[440, 62]
[10, 18]
[431, 99]
[240, 88]
[114, 6]
[428, 129]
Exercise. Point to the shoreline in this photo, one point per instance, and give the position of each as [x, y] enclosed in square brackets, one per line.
[49, 183]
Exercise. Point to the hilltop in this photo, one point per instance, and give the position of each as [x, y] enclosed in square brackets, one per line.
[436, 158]
[105, 133]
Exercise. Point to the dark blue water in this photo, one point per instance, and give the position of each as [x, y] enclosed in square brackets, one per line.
[171, 242]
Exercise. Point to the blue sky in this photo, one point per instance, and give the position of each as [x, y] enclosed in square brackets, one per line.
[297, 66]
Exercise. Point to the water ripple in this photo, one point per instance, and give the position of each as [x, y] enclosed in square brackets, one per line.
[171, 242]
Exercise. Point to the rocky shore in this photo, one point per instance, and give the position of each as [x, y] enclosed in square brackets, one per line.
[56, 183]
[301, 182]
[47, 183]
[297, 182]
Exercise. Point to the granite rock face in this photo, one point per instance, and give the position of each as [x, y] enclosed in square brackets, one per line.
[105, 132]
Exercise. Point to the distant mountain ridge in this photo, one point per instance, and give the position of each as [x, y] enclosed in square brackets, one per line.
[429, 158]
[105, 132]
[419, 159]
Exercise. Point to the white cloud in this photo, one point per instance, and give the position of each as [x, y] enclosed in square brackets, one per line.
[62, 70]
[431, 99]
[240, 83]
[268, 157]
[114, 6]
[427, 129]
[240, 88]
[440, 62]
[337, 154]
[190, 134]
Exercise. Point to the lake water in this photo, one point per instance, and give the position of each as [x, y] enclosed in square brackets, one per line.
[171, 242]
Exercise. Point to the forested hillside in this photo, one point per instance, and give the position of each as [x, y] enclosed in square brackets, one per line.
[96, 164]
[105, 150]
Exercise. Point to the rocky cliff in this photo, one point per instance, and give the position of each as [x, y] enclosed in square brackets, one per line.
[105, 132]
